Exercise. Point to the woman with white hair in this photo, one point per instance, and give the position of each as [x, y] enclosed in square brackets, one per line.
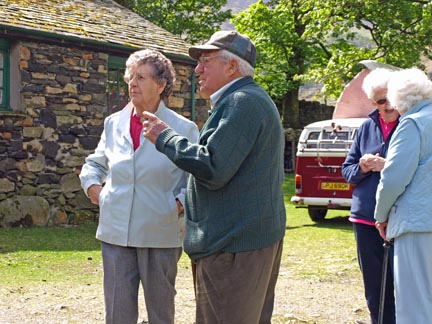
[362, 168]
[404, 205]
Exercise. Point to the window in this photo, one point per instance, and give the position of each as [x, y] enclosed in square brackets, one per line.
[329, 139]
[117, 89]
[4, 74]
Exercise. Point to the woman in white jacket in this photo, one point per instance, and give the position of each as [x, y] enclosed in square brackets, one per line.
[140, 193]
[404, 205]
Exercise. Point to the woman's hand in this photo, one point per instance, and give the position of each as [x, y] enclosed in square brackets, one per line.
[371, 163]
[382, 229]
[93, 193]
[179, 206]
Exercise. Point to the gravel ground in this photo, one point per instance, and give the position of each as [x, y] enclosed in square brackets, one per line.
[298, 300]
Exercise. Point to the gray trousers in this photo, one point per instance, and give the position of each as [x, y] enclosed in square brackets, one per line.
[413, 278]
[237, 288]
[124, 268]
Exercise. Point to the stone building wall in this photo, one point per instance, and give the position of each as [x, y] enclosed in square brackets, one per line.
[58, 122]
[310, 111]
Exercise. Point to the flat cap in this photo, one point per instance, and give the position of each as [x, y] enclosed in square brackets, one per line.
[231, 41]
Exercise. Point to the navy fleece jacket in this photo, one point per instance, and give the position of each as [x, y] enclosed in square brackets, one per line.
[369, 139]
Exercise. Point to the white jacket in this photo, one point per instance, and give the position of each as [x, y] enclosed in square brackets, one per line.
[137, 203]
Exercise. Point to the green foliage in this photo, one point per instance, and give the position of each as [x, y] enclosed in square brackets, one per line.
[398, 32]
[194, 20]
[323, 41]
[276, 49]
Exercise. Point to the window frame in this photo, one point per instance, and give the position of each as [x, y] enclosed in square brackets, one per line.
[5, 50]
[117, 64]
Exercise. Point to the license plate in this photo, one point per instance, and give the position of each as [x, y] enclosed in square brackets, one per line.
[335, 186]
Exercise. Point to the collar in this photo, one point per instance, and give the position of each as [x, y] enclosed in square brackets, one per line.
[216, 96]
[417, 107]
[383, 122]
[158, 111]
[129, 110]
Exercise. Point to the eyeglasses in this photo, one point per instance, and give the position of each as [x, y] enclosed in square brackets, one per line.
[381, 101]
[205, 60]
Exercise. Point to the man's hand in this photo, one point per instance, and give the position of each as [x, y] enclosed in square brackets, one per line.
[152, 126]
[93, 193]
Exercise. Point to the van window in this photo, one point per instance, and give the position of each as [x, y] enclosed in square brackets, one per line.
[328, 139]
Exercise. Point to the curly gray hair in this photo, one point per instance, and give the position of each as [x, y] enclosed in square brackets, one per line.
[408, 87]
[163, 70]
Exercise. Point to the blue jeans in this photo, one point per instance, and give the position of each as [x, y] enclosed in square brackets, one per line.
[124, 268]
[370, 253]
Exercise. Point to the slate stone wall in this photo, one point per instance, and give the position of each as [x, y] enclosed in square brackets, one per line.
[57, 123]
[312, 111]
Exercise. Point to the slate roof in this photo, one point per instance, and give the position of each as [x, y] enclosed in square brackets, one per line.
[97, 21]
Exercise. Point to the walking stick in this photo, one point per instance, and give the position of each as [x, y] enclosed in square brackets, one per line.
[386, 245]
[194, 277]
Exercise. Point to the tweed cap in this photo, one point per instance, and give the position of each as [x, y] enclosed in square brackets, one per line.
[231, 41]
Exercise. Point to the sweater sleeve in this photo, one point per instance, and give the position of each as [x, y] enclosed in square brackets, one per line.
[222, 149]
[192, 135]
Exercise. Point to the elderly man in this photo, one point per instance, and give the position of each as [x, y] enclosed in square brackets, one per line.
[235, 213]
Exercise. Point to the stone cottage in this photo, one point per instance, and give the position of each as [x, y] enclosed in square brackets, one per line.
[61, 74]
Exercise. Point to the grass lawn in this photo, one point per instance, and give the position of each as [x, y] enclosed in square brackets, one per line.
[65, 254]
[53, 254]
[317, 249]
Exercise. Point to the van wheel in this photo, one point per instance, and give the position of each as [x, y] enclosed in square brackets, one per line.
[317, 214]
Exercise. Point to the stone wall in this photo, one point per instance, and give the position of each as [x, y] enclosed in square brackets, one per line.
[57, 123]
[312, 111]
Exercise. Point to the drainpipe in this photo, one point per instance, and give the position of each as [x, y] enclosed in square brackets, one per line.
[193, 79]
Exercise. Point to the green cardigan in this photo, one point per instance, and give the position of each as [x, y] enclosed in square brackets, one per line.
[234, 199]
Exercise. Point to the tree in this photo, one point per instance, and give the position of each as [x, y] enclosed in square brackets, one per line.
[318, 40]
[277, 33]
[193, 20]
